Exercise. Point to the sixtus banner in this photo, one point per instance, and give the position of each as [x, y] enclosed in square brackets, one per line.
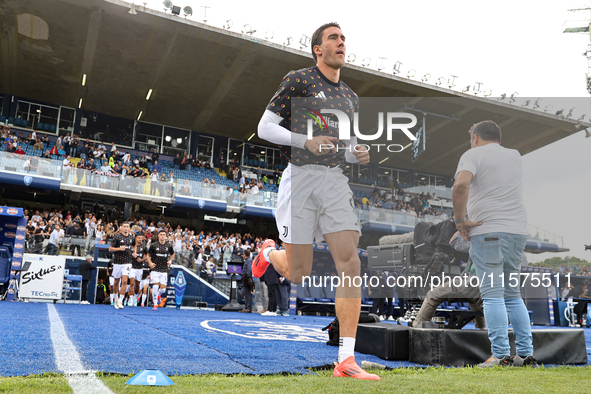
[44, 278]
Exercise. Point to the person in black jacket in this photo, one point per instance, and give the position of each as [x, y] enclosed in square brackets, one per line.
[272, 279]
[85, 269]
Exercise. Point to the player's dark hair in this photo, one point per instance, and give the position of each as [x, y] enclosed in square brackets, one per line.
[487, 130]
[317, 36]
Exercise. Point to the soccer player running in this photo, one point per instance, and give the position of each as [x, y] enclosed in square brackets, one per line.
[145, 282]
[160, 257]
[314, 196]
[122, 245]
[137, 270]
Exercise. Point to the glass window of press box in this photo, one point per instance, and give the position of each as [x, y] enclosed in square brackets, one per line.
[428, 180]
[148, 136]
[262, 156]
[36, 116]
[176, 141]
[106, 128]
[205, 148]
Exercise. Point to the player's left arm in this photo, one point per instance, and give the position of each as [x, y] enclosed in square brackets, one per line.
[355, 153]
[171, 259]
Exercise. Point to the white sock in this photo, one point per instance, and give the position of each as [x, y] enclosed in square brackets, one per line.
[346, 348]
[121, 297]
[162, 290]
[144, 296]
[266, 253]
[112, 297]
[155, 292]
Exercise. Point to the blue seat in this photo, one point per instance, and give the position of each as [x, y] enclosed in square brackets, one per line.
[45, 127]
[2, 119]
[17, 122]
[52, 128]
[11, 120]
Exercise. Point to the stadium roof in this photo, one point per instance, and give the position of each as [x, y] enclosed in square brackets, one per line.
[212, 80]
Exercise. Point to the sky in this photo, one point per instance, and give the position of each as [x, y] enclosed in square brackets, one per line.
[507, 46]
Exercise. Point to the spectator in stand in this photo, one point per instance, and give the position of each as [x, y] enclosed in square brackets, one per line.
[38, 145]
[155, 156]
[177, 161]
[156, 167]
[54, 239]
[73, 147]
[19, 151]
[127, 159]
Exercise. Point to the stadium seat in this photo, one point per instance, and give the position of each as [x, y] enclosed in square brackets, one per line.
[45, 127]
[52, 128]
[11, 120]
[17, 122]
[2, 119]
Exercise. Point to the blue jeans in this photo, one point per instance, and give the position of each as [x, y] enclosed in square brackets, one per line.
[497, 258]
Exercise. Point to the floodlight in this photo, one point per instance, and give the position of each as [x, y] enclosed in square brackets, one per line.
[304, 41]
[513, 97]
[247, 29]
[188, 11]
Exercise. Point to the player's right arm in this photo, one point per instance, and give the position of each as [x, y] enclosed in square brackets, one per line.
[115, 245]
[149, 256]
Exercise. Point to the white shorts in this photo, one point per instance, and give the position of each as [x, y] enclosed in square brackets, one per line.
[314, 200]
[158, 277]
[144, 283]
[111, 281]
[136, 274]
[120, 270]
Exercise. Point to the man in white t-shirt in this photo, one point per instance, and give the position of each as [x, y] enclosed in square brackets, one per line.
[489, 211]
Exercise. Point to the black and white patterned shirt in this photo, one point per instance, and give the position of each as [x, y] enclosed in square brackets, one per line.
[317, 92]
[160, 255]
[125, 256]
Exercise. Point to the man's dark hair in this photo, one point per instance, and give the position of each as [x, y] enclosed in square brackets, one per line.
[487, 130]
[247, 253]
[317, 36]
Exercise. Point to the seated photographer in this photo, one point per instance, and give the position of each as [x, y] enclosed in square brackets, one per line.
[580, 308]
[447, 291]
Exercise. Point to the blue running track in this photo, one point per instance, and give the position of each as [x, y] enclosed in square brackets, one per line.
[173, 341]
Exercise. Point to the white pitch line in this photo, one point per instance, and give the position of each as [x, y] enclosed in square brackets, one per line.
[67, 359]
